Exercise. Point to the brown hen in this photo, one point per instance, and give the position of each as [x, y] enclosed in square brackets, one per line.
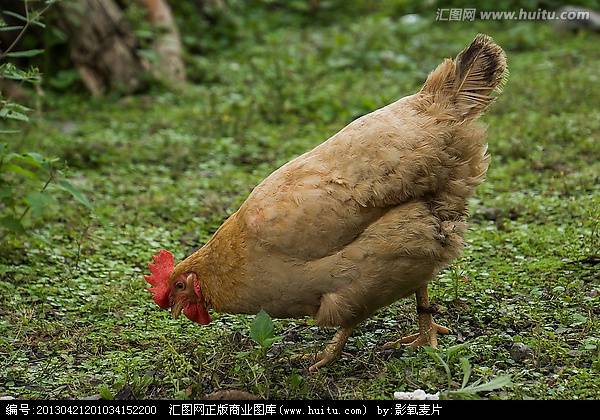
[362, 220]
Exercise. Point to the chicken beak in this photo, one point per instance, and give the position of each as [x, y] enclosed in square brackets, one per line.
[176, 310]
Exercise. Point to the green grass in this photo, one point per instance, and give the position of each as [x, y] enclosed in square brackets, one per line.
[164, 169]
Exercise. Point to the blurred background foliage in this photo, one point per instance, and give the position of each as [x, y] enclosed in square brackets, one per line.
[210, 26]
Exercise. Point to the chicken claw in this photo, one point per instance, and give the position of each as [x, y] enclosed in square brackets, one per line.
[427, 337]
[333, 349]
[428, 330]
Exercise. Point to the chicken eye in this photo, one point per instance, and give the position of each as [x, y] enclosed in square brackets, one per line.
[180, 285]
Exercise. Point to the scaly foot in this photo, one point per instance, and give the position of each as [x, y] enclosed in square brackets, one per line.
[331, 352]
[318, 360]
[428, 330]
[425, 337]
[324, 358]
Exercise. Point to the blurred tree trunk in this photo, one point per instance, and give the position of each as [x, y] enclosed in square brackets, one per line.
[169, 67]
[103, 47]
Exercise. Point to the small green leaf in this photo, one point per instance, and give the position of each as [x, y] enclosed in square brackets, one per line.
[74, 191]
[262, 329]
[242, 354]
[452, 351]
[33, 18]
[10, 71]
[496, 383]
[105, 393]
[466, 368]
[295, 380]
[32, 159]
[15, 15]
[26, 53]
[10, 28]
[11, 114]
[269, 341]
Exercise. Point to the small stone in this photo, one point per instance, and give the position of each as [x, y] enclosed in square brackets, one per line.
[387, 353]
[417, 394]
[520, 352]
[126, 393]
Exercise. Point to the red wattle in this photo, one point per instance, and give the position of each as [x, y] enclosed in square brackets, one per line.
[197, 313]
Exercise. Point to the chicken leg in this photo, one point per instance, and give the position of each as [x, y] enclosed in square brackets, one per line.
[428, 330]
[333, 349]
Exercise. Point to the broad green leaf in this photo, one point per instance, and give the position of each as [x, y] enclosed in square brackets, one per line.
[33, 159]
[262, 329]
[36, 157]
[74, 191]
[11, 156]
[11, 167]
[38, 201]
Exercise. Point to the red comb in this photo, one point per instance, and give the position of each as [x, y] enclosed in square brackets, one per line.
[159, 277]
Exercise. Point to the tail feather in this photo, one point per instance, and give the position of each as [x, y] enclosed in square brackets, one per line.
[465, 87]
